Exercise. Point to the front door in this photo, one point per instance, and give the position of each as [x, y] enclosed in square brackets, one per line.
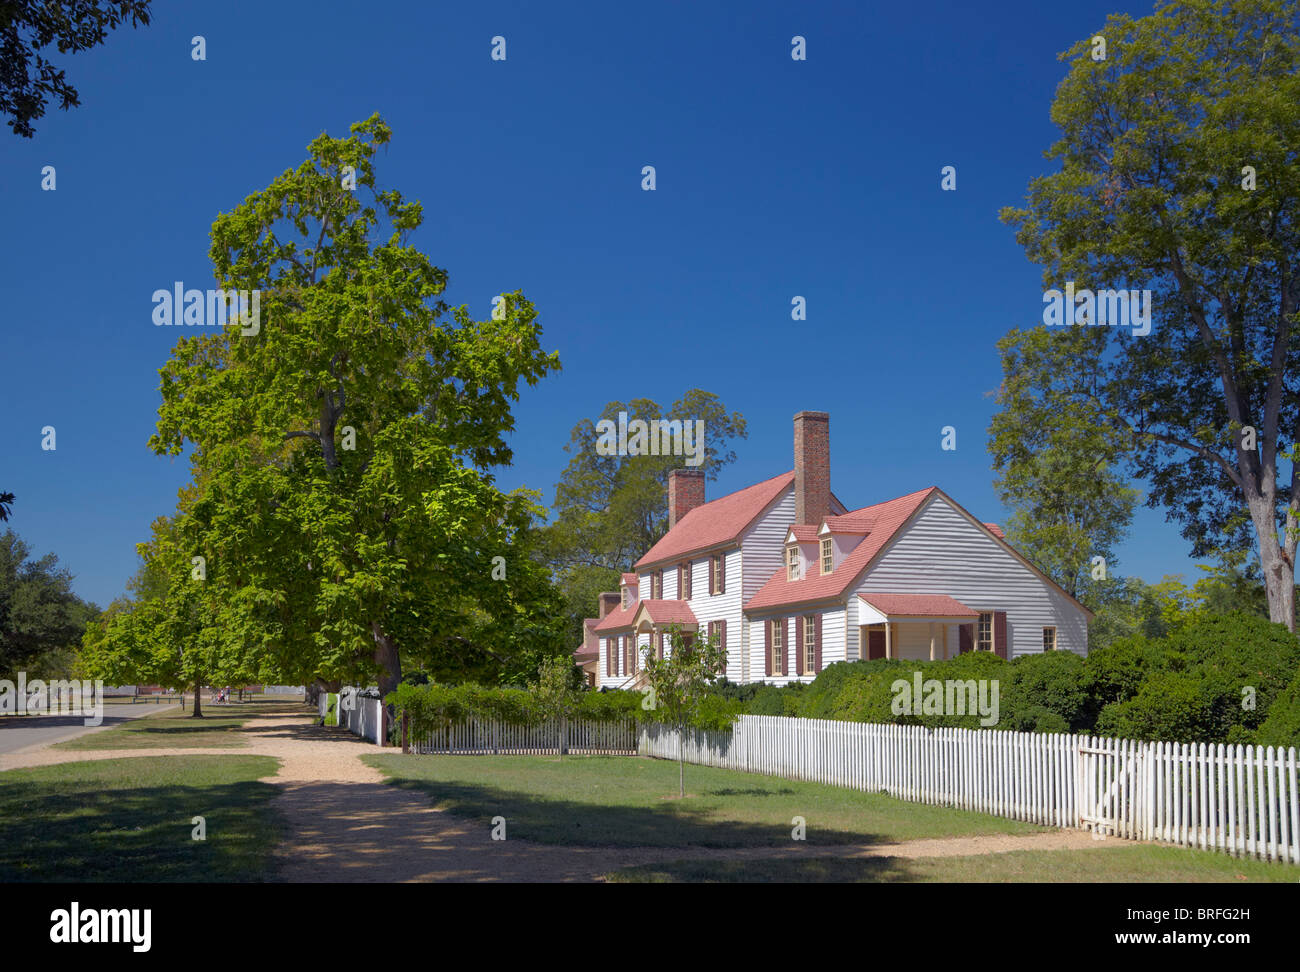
[875, 643]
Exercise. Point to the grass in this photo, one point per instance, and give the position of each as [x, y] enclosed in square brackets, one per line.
[130, 820]
[1118, 862]
[630, 802]
[176, 728]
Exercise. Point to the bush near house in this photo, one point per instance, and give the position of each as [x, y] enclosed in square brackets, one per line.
[1187, 686]
[433, 706]
[1282, 727]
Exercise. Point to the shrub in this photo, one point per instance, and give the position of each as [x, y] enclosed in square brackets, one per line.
[1173, 706]
[1052, 682]
[1282, 727]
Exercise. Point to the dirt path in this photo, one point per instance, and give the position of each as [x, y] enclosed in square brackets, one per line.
[346, 824]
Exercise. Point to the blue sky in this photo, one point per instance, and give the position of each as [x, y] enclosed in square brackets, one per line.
[775, 178]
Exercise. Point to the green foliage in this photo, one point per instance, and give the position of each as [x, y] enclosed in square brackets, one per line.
[1215, 679]
[1045, 693]
[341, 448]
[41, 619]
[431, 707]
[1059, 476]
[1282, 727]
[27, 27]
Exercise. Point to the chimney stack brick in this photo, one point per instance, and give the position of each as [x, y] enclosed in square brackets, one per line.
[812, 467]
[608, 601]
[685, 492]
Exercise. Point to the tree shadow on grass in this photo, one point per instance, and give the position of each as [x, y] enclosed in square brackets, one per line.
[675, 823]
[93, 822]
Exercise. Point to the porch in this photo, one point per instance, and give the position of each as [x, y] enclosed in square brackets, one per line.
[916, 627]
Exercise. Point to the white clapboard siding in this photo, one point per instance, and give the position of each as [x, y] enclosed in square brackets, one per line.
[721, 607]
[1240, 800]
[941, 552]
[477, 737]
[764, 543]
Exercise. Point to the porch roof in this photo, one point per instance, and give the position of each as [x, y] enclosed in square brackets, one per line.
[919, 606]
[660, 612]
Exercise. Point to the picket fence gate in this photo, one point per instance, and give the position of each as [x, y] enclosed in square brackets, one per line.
[488, 736]
[1240, 800]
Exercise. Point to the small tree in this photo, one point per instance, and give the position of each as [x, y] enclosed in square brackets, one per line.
[554, 693]
[679, 682]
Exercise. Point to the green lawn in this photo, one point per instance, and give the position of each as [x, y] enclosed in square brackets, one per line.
[130, 820]
[176, 728]
[1116, 862]
[631, 802]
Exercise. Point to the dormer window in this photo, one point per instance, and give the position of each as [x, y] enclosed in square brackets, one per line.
[828, 555]
[792, 563]
[627, 596]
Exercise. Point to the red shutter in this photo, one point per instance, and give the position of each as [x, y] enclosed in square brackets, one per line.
[609, 659]
[722, 573]
[965, 641]
[680, 596]
[798, 645]
[722, 640]
[1000, 633]
[767, 649]
[817, 657]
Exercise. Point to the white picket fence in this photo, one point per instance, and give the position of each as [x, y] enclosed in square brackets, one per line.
[576, 736]
[1240, 800]
[365, 718]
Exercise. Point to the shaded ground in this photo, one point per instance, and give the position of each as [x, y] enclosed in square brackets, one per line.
[342, 822]
[134, 820]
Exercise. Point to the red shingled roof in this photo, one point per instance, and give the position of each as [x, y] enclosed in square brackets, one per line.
[995, 530]
[887, 517]
[668, 612]
[718, 522]
[919, 605]
[861, 521]
[629, 579]
[805, 534]
[620, 617]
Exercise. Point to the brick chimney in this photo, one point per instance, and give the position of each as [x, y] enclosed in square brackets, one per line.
[685, 492]
[812, 467]
[608, 601]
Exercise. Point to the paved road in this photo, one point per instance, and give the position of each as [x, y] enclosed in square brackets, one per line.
[22, 732]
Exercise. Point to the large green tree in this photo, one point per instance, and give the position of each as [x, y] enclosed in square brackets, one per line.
[1179, 173]
[40, 616]
[611, 509]
[343, 442]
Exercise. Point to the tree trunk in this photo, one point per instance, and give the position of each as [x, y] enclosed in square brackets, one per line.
[388, 660]
[1278, 570]
[198, 701]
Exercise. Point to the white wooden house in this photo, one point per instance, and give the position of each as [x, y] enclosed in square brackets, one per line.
[793, 581]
